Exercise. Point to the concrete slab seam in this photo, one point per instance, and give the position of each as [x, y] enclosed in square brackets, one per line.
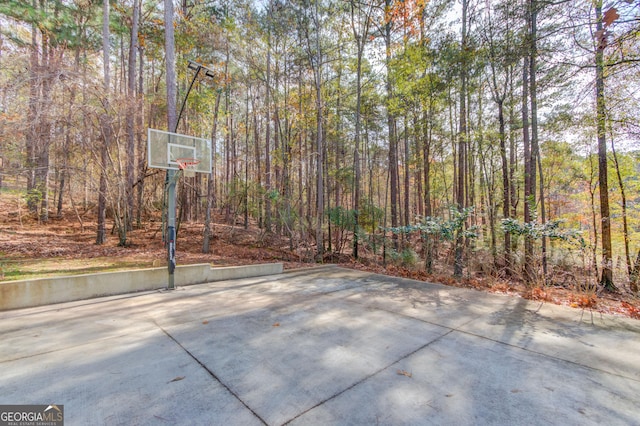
[338, 290]
[551, 357]
[402, 314]
[459, 329]
[364, 379]
[212, 374]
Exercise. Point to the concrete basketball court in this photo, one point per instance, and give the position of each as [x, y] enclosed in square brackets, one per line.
[323, 346]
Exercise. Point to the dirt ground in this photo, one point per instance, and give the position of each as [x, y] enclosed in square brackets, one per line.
[64, 245]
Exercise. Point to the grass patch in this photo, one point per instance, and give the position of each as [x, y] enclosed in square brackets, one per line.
[24, 269]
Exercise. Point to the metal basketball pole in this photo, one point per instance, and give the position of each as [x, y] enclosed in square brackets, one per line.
[171, 196]
[170, 182]
[171, 226]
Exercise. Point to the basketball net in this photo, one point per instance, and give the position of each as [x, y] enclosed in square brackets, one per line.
[188, 166]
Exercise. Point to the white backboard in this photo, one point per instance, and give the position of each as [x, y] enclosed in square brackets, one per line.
[164, 148]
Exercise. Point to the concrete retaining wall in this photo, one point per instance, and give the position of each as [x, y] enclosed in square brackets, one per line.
[44, 291]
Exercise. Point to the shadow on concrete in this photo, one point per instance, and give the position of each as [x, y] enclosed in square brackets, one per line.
[325, 346]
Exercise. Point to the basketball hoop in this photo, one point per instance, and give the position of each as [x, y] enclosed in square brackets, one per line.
[188, 166]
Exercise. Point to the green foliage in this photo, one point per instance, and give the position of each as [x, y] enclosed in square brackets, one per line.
[66, 24]
[255, 193]
[287, 216]
[274, 195]
[409, 257]
[413, 85]
[536, 231]
[343, 175]
[33, 197]
[445, 229]
[406, 257]
[371, 241]
[341, 217]
[370, 217]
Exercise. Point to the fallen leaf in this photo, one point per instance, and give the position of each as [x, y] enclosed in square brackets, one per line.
[632, 310]
[610, 16]
[177, 379]
[404, 373]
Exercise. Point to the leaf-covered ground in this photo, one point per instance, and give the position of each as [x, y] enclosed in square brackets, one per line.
[63, 246]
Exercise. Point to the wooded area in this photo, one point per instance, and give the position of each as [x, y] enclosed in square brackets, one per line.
[478, 137]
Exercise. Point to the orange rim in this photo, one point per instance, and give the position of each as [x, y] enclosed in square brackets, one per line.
[187, 163]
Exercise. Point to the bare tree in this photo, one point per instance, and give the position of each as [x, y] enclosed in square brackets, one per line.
[461, 176]
[131, 116]
[211, 195]
[360, 22]
[499, 43]
[391, 123]
[105, 126]
[310, 25]
[606, 279]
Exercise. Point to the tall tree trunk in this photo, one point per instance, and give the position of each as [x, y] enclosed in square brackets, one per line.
[48, 66]
[407, 172]
[287, 170]
[67, 140]
[267, 140]
[469, 188]
[606, 279]
[105, 124]
[316, 59]
[533, 97]
[211, 194]
[131, 123]
[38, 134]
[543, 216]
[625, 225]
[256, 146]
[278, 146]
[506, 194]
[529, 187]
[245, 192]
[360, 38]
[142, 163]
[319, 162]
[462, 143]
[228, 136]
[339, 154]
[391, 126]
[513, 160]
[170, 59]
[594, 221]
[426, 151]
[481, 171]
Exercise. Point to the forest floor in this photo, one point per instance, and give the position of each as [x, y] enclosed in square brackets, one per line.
[63, 246]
